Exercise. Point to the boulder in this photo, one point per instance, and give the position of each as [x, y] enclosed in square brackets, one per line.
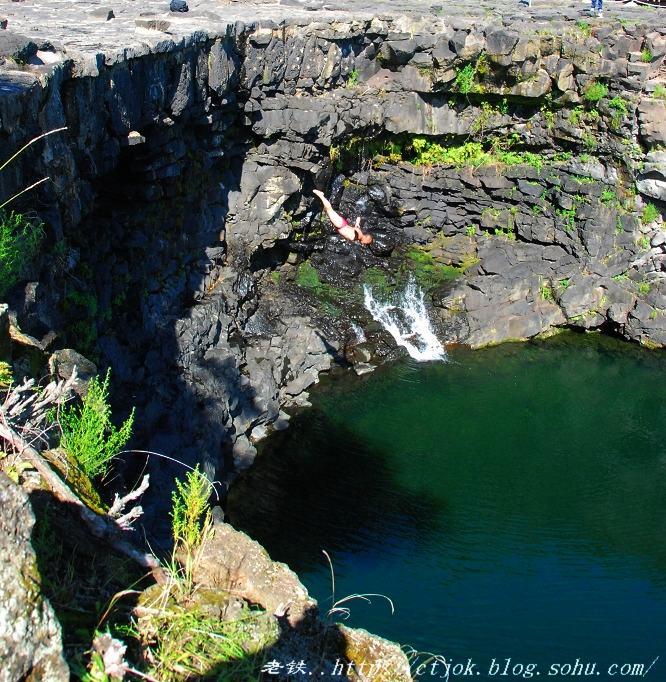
[535, 86]
[374, 659]
[30, 639]
[230, 560]
[16, 46]
[652, 121]
[62, 364]
[178, 6]
[652, 179]
[501, 42]
[581, 298]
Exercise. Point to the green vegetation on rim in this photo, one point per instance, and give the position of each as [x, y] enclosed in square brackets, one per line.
[352, 78]
[608, 196]
[432, 151]
[180, 635]
[428, 272]
[467, 78]
[6, 375]
[619, 111]
[643, 288]
[546, 291]
[595, 91]
[307, 278]
[584, 28]
[568, 215]
[190, 515]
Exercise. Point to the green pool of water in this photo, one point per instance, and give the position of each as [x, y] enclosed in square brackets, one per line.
[511, 503]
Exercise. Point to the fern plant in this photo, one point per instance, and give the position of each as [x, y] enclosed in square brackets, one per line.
[89, 435]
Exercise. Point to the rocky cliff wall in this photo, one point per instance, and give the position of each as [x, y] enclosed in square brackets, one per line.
[180, 194]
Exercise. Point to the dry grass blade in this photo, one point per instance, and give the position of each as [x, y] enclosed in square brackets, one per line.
[344, 611]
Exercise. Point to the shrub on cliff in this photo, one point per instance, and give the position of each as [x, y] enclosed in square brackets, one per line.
[595, 91]
[20, 239]
[88, 434]
[20, 236]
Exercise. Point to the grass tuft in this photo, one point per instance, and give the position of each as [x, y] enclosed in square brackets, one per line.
[184, 643]
[650, 214]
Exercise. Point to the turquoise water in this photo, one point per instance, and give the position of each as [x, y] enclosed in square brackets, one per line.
[511, 503]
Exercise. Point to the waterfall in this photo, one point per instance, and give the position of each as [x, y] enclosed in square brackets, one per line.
[406, 319]
[358, 332]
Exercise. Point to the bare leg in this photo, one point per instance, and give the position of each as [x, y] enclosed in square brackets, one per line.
[336, 219]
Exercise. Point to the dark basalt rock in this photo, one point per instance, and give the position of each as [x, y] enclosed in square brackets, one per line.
[189, 241]
[179, 6]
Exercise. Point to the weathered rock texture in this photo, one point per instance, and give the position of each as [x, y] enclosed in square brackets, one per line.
[30, 643]
[234, 565]
[186, 172]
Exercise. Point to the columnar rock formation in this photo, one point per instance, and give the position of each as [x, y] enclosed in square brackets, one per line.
[185, 176]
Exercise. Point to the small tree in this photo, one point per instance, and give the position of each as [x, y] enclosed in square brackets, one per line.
[88, 433]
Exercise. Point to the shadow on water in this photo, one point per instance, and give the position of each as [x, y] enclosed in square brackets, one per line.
[328, 487]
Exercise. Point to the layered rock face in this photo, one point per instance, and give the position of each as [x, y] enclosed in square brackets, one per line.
[185, 176]
[30, 645]
[557, 234]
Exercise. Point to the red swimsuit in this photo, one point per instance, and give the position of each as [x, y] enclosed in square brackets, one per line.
[346, 224]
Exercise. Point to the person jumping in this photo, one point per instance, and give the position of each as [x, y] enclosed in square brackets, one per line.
[342, 227]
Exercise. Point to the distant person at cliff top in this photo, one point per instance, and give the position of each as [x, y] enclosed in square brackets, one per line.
[342, 227]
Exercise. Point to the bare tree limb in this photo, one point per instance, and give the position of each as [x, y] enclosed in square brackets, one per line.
[27, 408]
[119, 503]
[101, 526]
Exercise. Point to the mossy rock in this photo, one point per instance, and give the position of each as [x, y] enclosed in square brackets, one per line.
[75, 478]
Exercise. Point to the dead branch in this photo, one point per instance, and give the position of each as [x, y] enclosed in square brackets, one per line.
[126, 520]
[27, 409]
[101, 526]
[119, 503]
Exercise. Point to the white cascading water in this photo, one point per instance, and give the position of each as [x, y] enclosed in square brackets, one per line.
[406, 319]
[358, 332]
